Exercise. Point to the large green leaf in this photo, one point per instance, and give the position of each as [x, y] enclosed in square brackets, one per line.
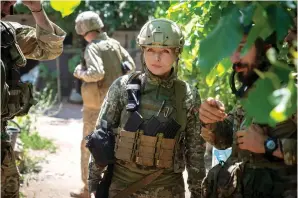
[285, 101]
[257, 104]
[247, 14]
[283, 97]
[221, 42]
[280, 20]
[260, 29]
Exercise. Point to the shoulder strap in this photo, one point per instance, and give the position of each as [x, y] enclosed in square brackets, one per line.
[180, 94]
[139, 184]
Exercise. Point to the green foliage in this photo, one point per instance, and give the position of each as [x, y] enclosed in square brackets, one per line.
[34, 141]
[228, 27]
[73, 62]
[29, 164]
[197, 19]
[29, 135]
[47, 97]
[213, 31]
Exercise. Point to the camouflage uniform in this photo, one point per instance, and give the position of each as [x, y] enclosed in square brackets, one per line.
[35, 43]
[189, 149]
[260, 177]
[103, 57]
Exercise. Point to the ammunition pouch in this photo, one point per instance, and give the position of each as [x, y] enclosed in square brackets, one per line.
[223, 180]
[126, 145]
[146, 150]
[165, 152]
[20, 99]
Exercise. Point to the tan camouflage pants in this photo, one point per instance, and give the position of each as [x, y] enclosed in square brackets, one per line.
[10, 180]
[176, 191]
[89, 120]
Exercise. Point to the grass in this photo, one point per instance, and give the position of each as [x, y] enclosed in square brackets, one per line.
[35, 142]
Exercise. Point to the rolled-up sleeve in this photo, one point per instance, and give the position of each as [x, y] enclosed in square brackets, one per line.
[39, 44]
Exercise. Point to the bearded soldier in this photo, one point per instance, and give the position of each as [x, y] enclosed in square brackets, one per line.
[263, 162]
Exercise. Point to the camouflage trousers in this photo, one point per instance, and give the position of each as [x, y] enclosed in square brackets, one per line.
[10, 178]
[176, 191]
[89, 120]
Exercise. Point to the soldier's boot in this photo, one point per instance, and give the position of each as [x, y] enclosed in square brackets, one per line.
[83, 193]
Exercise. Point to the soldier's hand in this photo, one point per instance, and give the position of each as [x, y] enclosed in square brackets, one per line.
[92, 195]
[252, 139]
[212, 111]
[79, 72]
[34, 6]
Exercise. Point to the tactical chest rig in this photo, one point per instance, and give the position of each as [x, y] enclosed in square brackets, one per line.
[145, 139]
[151, 142]
[16, 96]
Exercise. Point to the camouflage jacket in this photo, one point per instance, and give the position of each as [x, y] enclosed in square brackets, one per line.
[192, 147]
[225, 137]
[103, 57]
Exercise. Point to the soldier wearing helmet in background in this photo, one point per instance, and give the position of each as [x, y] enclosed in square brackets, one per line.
[150, 115]
[105, 60]
[19, 43]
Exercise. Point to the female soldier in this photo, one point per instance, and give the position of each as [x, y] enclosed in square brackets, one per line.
[157, 131]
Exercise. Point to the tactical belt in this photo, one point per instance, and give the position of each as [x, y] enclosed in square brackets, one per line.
[139, 184]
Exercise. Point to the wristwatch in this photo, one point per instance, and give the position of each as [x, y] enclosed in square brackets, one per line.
[270, 146]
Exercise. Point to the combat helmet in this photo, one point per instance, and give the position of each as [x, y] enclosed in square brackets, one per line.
[88, 21]
[161, 33]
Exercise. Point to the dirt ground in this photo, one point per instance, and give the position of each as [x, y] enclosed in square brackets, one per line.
[60, 172]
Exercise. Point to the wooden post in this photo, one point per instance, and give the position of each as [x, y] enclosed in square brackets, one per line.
[58, 80]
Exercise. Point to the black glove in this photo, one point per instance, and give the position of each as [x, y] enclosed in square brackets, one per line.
[101, 146]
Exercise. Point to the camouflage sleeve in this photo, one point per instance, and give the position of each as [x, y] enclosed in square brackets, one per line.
[94, 175]
[95, 69]
[39, 44]
[110, 112]
[195, 147]
[289, 149]
[126, 57]
[289, 144]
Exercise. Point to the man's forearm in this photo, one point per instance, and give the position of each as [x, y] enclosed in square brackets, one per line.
[42, 20]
